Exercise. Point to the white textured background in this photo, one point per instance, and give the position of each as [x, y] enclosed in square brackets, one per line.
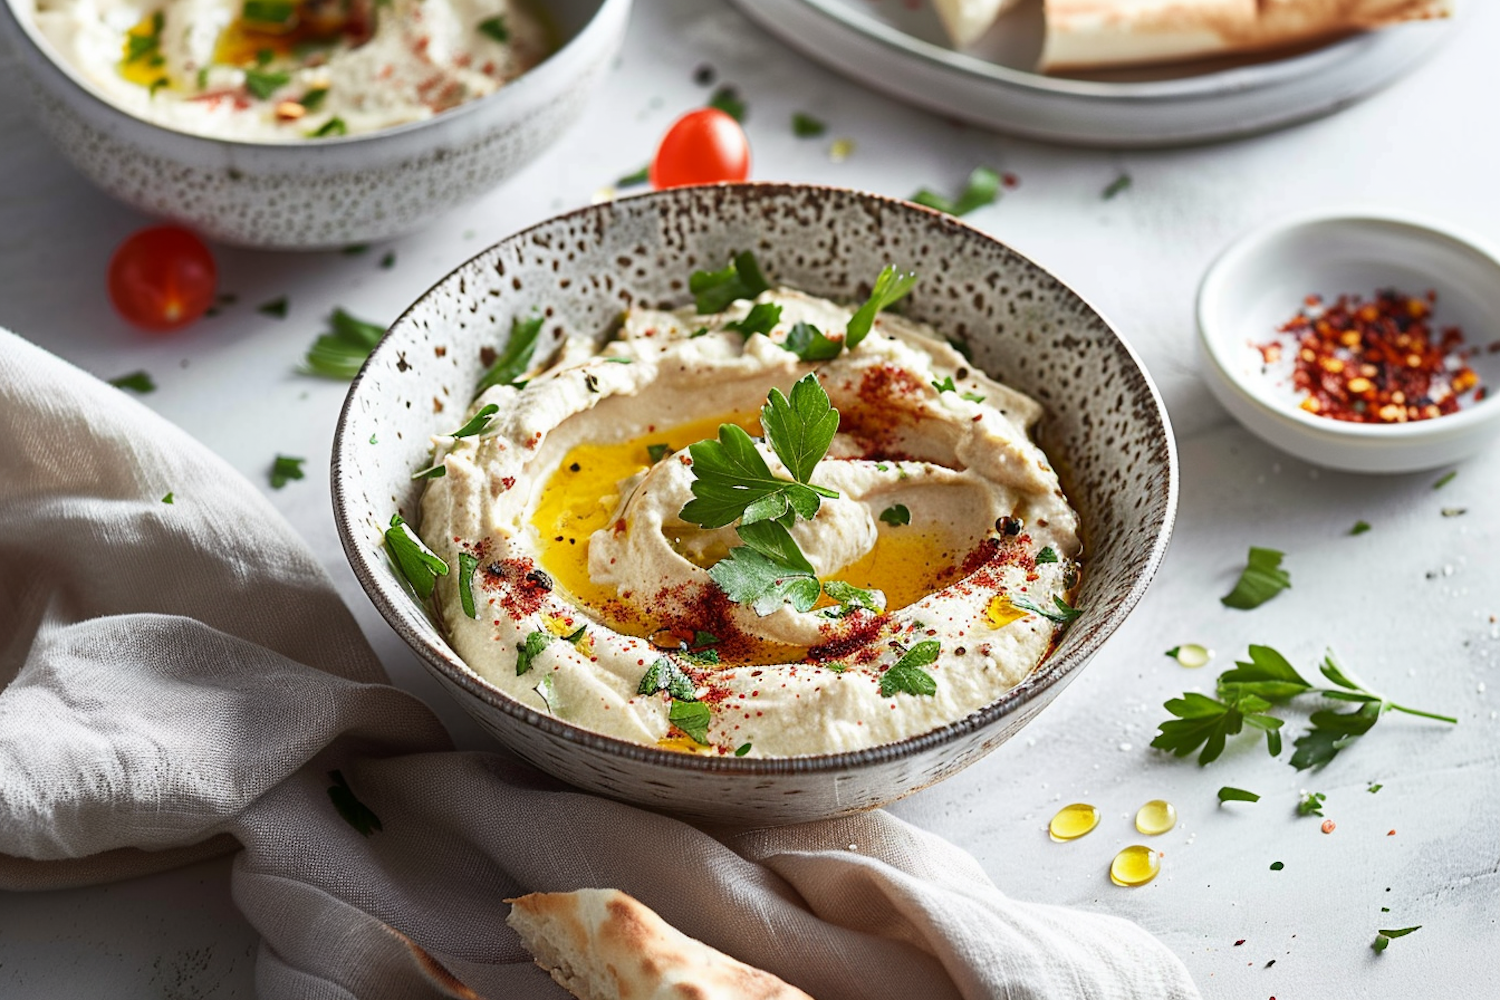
[1408, 606]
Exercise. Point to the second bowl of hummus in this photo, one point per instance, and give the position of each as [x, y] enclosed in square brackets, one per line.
[756, 503]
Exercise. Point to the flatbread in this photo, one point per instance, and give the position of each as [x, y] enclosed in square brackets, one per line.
[1093, 34]
[600, 944]
[967, 20]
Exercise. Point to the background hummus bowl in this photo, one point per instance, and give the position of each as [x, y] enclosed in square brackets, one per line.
[1105, 429]
[323, 193]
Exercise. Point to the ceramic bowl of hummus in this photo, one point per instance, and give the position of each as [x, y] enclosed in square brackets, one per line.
[755, 503]
[307, 124]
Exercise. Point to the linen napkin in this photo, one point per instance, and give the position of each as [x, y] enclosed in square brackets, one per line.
[180, 679]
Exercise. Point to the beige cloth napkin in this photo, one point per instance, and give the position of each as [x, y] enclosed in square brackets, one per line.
[180, 679]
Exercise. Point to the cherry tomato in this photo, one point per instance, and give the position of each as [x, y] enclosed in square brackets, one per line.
[162, 278]
[702, 147]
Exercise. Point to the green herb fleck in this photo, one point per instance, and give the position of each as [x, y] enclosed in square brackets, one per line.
[727, 100]
[906, 674]
[1374, 788]
[1262, 579]
[1311, 804]
[641, 176]
[332, 127]
[805, 126]
[276, 308]
[269, 11]
[808, 343]
[1046, 556]
[664, 675]
[516, 357]
[169, 498]
[576, 636]
[341, 352]
[495, 28]
[890, 287]
[435, 471]
[1454, 511]
[418, 564]
[263, 84]
[693, 718]
[1231, 794]
[529, 650]
[741, 278]
[1360, 527]
[467, 564]
[284, 470]
[355, 812]
[972, 397]
[1445, 480]
[313, 99]
[1062, 615]
[657, 452]
[146, 47]
[896, 515]
[1276, 866]
[982, 188]
[946, 385]
[479, 422]
[1116, 186]
[1384, 938]
[762, 318]
[140, 382]
[389, 260]
[742, 749]
[851, 599]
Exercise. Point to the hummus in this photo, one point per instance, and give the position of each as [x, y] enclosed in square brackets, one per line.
[592, 594]
[278, 70]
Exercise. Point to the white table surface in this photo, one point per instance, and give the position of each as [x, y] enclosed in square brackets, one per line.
[1410, 605]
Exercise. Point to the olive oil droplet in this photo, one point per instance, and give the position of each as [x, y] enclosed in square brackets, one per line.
[1156, 817]
[1192, 655]
[1072, 822]
[1134, 866]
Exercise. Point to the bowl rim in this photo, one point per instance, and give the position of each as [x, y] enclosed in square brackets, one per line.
[526, 82]
[1051, 671]
[1248, 244]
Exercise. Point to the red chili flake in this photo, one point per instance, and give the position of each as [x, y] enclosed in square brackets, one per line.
[1391, 834]
[1239, 942]
[1011, 181]
[1375, 362]
[1329, 826]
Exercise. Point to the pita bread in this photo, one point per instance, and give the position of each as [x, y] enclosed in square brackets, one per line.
[967, 20]
[1092, 34]
[601, 944]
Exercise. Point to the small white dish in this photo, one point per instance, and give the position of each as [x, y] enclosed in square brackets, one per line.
[1260, 282]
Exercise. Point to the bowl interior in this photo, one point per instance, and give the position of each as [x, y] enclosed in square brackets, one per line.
[1261, 282]
[1105, 427]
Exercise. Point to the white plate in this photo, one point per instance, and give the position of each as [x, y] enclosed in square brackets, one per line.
[1260, 282]
[900, 49]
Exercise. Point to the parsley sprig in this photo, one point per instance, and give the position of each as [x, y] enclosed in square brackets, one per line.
[339, 353]
[1262, 579]
[1246, 695]
[741, 278]
[418, 564]
[982, 188]
[520, 346]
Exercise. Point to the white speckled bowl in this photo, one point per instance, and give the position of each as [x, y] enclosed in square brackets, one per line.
[332, 192]
[1260, 282]
[1105, 429]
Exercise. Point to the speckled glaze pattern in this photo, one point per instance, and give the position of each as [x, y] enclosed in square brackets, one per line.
[330, 192]
[1105, 428]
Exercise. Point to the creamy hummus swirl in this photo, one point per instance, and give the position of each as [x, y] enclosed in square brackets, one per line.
[569, 504]
[277, 70]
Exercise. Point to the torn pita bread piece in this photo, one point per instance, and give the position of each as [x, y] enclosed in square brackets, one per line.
[600, 944]
[967, 20]
[1096, 34]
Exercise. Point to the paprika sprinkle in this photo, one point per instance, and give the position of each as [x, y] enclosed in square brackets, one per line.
[1375, 362]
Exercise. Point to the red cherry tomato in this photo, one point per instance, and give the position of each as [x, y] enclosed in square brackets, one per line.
[162, 278]
[702, 147]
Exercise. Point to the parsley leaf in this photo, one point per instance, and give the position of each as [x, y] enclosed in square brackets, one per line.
[495, 28]
[528, 651]
[727, 100]
[355, 812]
[268, 11]
[808, 343]
[1208, 723]
[896, 515]
[851, 599]
[140, 382]
[741, 278]
[1262, 579]
[263, 84]
[1383, 938]
[693, 718]
[664, 675]
[1311, 804]
[805, 126]
[516, 358]
[1445, 480]
[333, 126]
[276, 308]
[1268, 675]
[1360, 527]
[1047, 555]
[762, 318]
[732, 480]
[972, 397]
[419, 564]
[340, 353]
[1333, 731]
[467, 564]
[946, 385]
[284, 470]
[1116, 186]
[742, 749]
[169, 498]
[313, 99]
[891, 287]
[1064, 613]
[749, 576]
[982, 188]
[478, 422]
[1231, 794]
[801, 428]
[907, 675]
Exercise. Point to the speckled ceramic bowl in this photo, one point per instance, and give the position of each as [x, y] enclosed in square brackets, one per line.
[329, 193]
[1105, 428]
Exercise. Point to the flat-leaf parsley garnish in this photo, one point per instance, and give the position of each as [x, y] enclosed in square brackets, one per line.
[982, 188]
[467, 564]
[340, 353]
[1062, 614]
[891, 287]
[418, 564]
[263, 84]
[809, 344]
[1262, 579]
[495, 28]
[1115, 186]
[741, 278]
[1047, 555]
[1383, 938]
[664, 675]
[332, 127]
[516, 358]
[728, 100]
[906, 674]
[693, 718]
[762, 318]
[899, 514]
[529, 650]
[478, 422]
[140, 382]
[284, 470]
[1231, 794]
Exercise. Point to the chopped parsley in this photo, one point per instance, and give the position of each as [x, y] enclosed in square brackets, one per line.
[693, 718]
[1231, 794]
[1277, 866]
[946, 385]
[276, 308]
[146, 47]
[389, 260]
[641, 176]
[808, 343]
[890, 287]
[528, 651]
[1063, 613]
[467, 564]
[354, 812]
[742, 749]
[169, 498]
[664, 675]
[741, 278]
[728, 100]
[906, 674]
[1311, 804]
[418, 564]
[284, 470]
[1360, 527]
[805, 126]
[1445, 480]
[972, 397]
[263, 84]
[140, 382]
[982, 188]
[851, 599]
[332, 127]
[340, 353]
[1046, 556]
[1116, 186]
[355, 249]
[1262, 579]
[313, 99]
[520, 346]
[762, 318]
[897, 515]
[1374, 787]
[268, 11]
[1383, 938]
[495, 29]
[478, 423]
